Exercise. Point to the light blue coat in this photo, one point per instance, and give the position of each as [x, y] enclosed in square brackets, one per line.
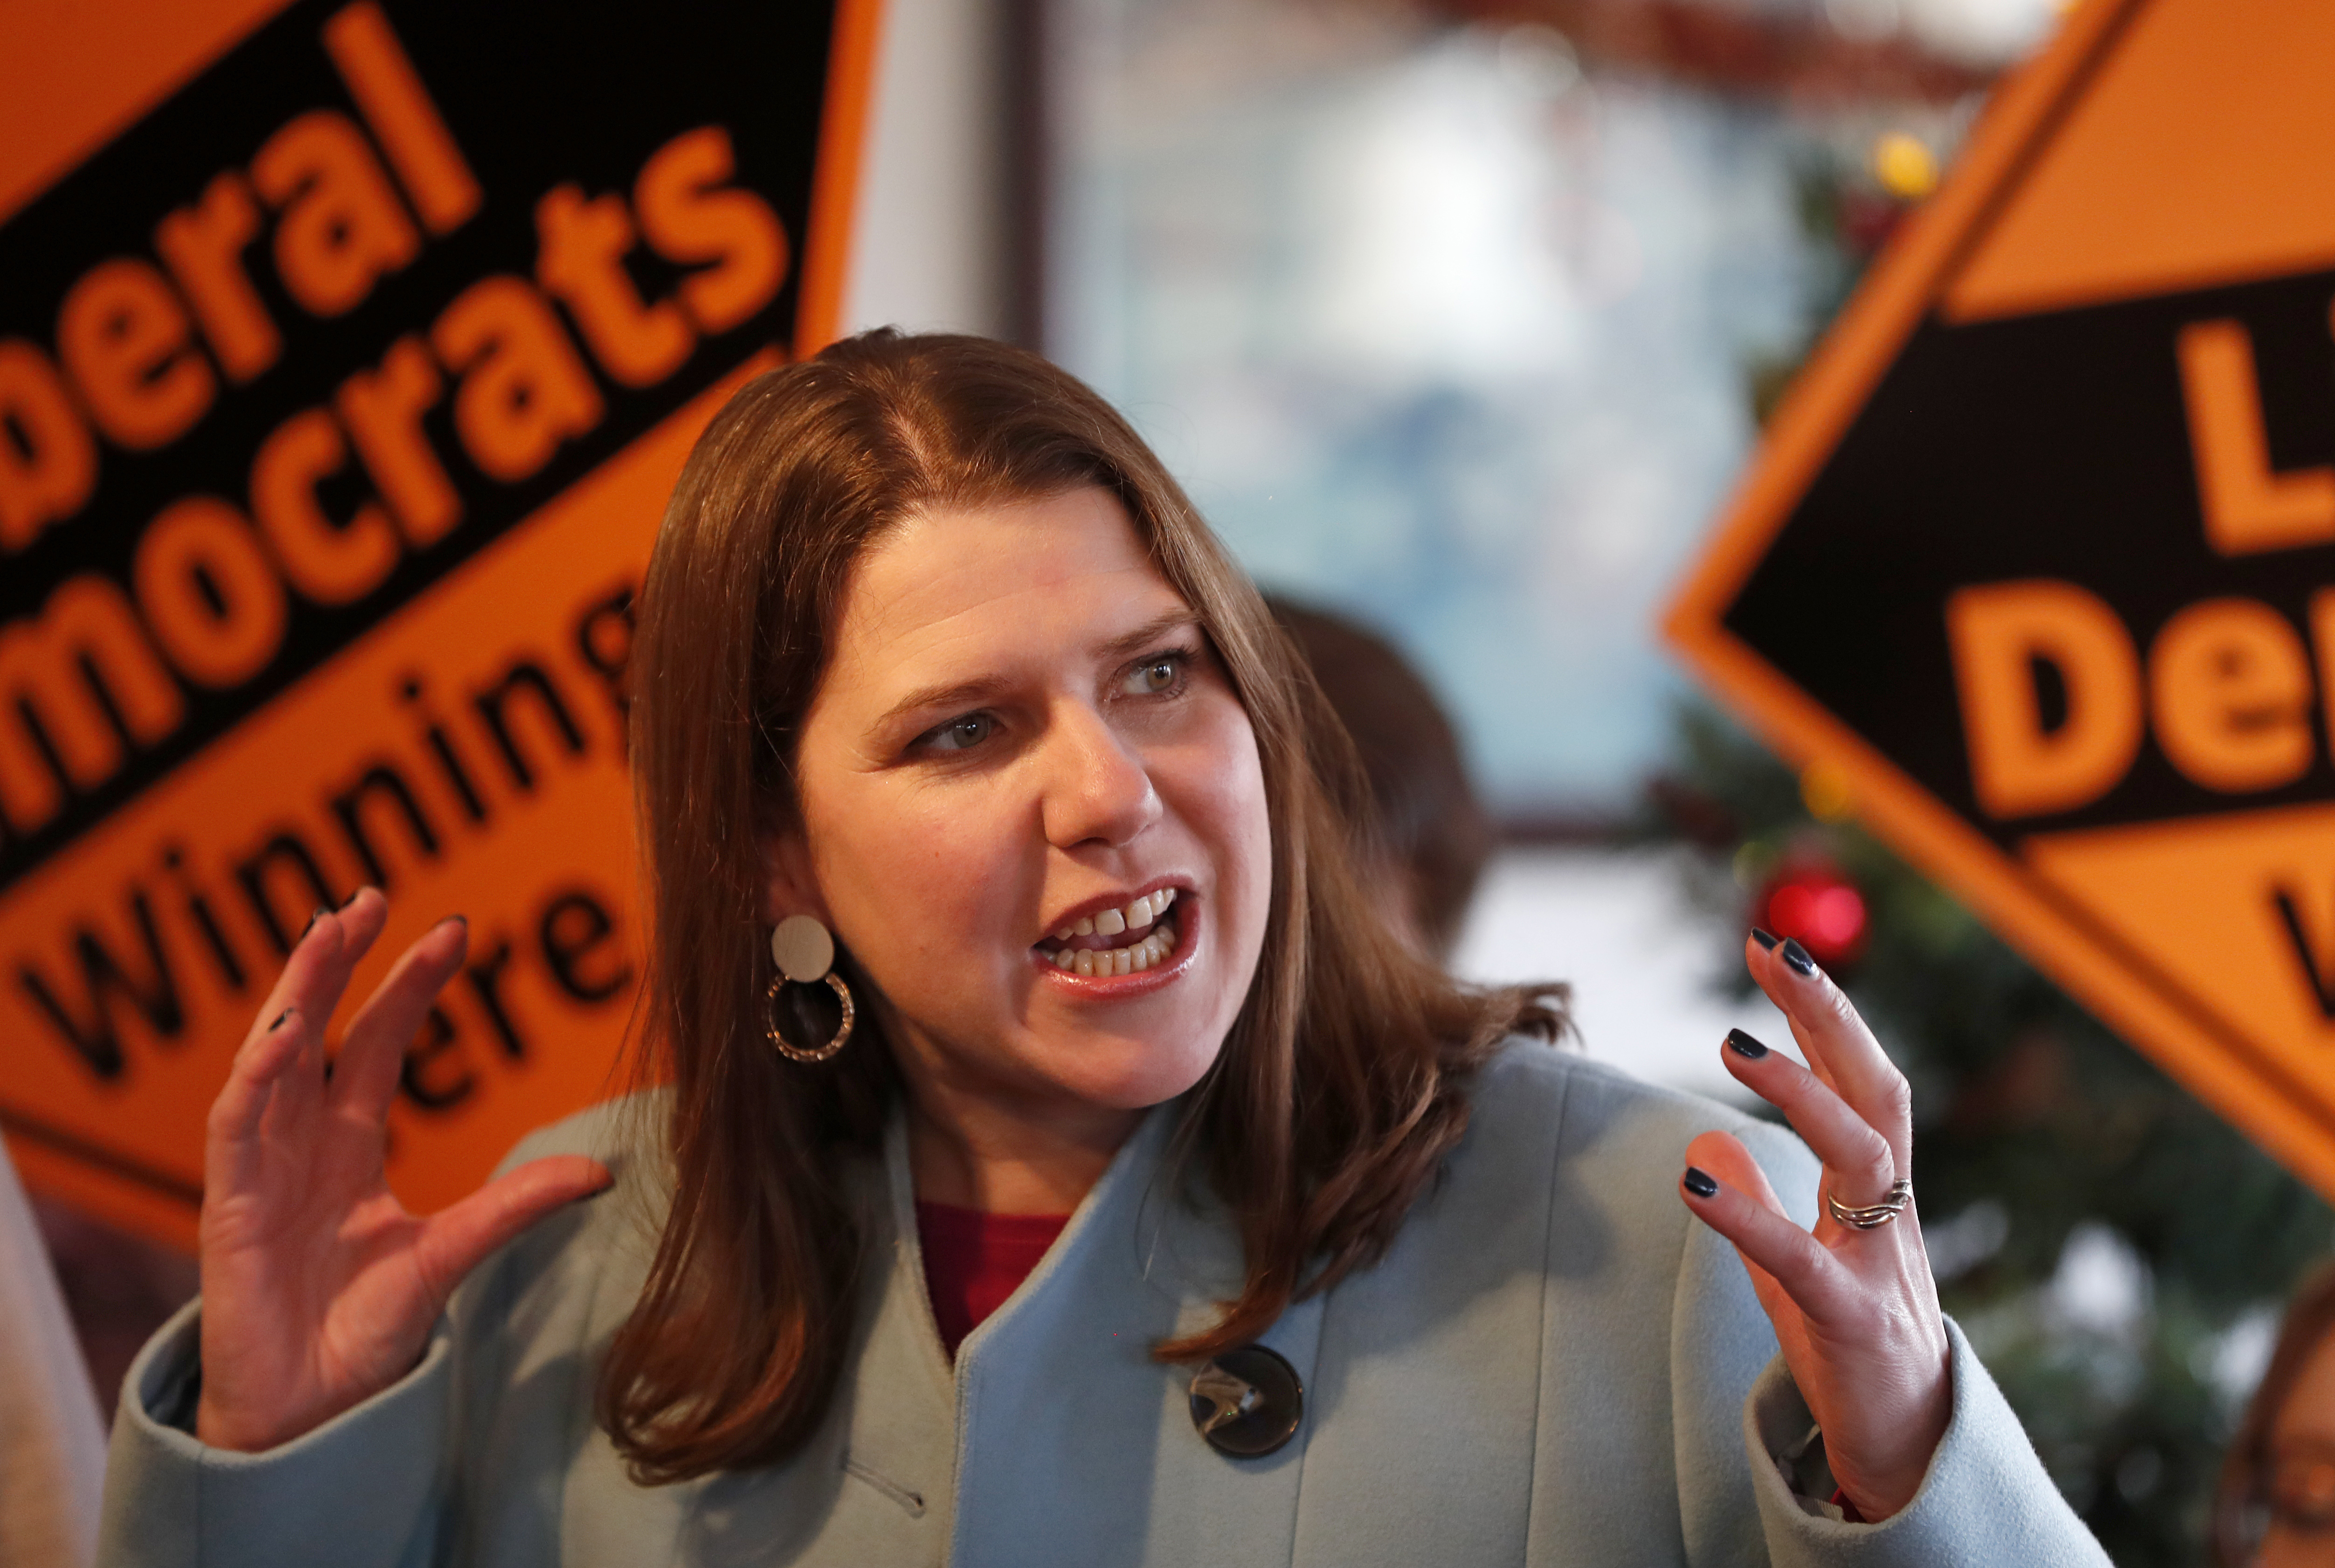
[1554, 1364]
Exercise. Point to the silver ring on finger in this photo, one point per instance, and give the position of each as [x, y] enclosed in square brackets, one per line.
[1873, 1216]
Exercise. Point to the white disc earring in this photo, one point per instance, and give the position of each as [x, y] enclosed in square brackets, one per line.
[804, 951]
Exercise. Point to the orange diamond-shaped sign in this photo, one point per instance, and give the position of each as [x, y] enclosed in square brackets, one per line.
[2038, 556]
[349, 350]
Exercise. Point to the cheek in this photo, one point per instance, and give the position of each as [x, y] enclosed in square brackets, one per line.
[906, 883]
[1223, 791]
[1253, 836]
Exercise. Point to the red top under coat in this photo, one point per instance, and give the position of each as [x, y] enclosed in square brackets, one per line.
[974, 1260]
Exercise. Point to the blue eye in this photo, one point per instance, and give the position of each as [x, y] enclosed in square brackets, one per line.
[961, 734]
[1154, 677]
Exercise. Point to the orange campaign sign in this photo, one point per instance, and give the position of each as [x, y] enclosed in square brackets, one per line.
[2038, 560]
[348, 350]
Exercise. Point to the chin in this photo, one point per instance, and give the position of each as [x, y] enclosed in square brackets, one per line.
[1133, 1075]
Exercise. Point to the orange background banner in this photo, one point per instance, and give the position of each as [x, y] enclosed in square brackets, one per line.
[390, 649]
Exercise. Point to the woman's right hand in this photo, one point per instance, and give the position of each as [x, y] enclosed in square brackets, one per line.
[319, 1288]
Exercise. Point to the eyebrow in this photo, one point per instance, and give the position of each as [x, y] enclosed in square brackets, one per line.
[1150, 632]
[984, 686]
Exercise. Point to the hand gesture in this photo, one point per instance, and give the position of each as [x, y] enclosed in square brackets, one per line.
[1855, 1308]
[319, 1289]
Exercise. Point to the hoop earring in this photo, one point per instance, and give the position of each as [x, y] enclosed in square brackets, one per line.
[804, 951]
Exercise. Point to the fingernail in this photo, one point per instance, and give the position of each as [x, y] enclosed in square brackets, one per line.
[461, 920]
[1743, 1044]
[1764, 939]
[282, 1018]
[351, 898]
[1700, 1185]
[1798, 957]
[315, 915]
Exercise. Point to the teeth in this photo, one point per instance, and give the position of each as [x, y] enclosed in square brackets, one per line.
[1136, 916]
[1133, 959]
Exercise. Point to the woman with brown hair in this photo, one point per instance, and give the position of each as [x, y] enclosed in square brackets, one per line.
[2275, 1507]
[1052, 1156]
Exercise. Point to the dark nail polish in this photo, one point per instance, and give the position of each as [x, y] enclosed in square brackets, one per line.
[1798, 957]
[1764, 939]
[461, 920]
[282, 1018]
[1745, 1045]
[1700, 1184]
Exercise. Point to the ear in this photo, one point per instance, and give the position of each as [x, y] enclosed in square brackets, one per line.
[788, 887]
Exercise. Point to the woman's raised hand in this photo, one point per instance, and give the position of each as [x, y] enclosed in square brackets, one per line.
[1856, 1310]
[319, 1289]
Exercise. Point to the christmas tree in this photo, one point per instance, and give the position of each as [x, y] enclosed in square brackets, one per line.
[2114, 1251]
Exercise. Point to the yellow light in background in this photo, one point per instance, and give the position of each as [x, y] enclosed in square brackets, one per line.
[1823, 790]
[1904, 165]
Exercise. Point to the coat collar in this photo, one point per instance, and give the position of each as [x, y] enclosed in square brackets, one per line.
[1056, 1395]
[1177, 1240]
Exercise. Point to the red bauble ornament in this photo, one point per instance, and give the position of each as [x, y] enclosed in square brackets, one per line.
[1809, 900]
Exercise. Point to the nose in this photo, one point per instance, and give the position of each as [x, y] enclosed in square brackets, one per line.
[1098, 790]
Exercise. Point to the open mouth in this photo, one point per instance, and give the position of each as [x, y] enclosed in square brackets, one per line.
[1127, 939]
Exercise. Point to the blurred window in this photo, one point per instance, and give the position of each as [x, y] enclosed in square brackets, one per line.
[1456, 328]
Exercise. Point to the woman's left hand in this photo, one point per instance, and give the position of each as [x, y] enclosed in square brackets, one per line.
[1855, 1311]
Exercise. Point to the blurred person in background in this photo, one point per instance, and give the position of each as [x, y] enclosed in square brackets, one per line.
[2276, 1504]
[1422, 836]
[51, 1436]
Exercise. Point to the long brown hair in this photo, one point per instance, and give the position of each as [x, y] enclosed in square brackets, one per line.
[2245, 1490]
[1341, 1086]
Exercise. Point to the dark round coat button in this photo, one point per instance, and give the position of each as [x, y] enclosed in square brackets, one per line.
[1247, 1402]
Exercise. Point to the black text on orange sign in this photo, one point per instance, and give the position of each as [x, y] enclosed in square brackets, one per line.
[2056, 698]
[2101, 537]
[207, 925]
[379, 308]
